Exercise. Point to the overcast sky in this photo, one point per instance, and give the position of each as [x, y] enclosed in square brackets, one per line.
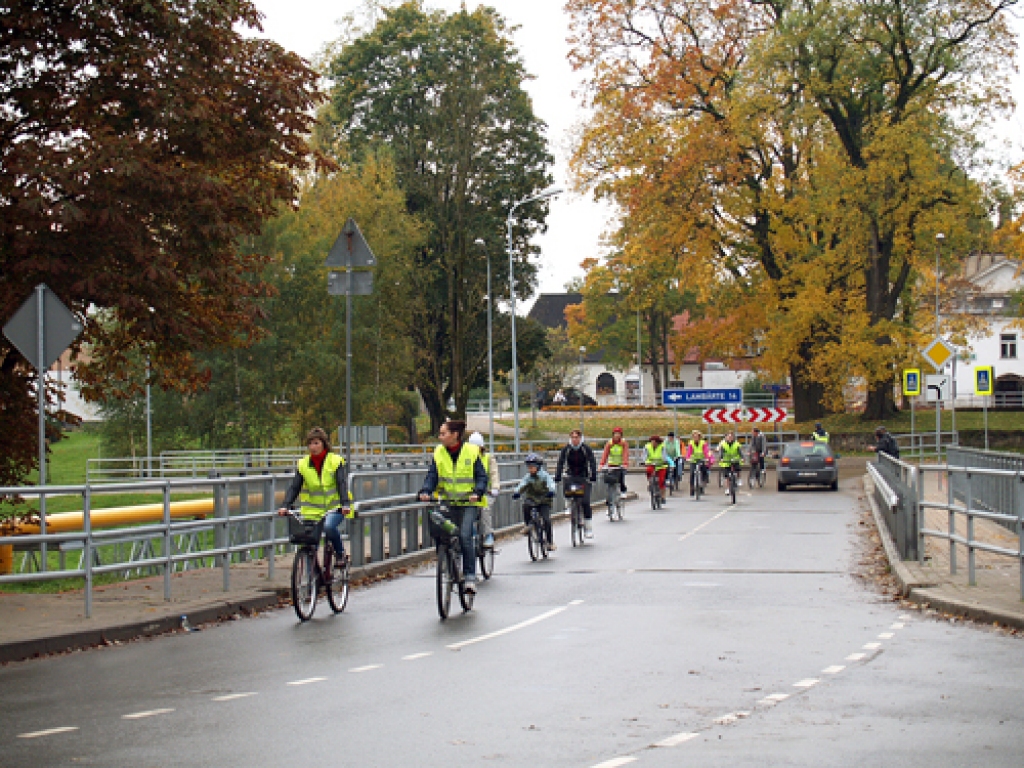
[576, 223]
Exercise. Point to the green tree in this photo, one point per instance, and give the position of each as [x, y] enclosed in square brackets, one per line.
[139, 141]
[444, 93]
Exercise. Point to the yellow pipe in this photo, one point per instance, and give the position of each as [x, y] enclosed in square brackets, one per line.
[6, 559]
[64, 522]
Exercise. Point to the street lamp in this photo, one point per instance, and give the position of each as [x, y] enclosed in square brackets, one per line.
[583, 351]
[490, 348]
[549, 192]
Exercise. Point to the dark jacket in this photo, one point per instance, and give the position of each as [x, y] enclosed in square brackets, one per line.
[887, 444]
[480, 478]
[577, 463]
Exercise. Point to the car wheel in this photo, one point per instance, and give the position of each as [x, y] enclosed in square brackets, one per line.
[781, 486]
[834, 486]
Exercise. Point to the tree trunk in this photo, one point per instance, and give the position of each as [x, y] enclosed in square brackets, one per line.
[807, 395]
[436, 409]
[880, 405]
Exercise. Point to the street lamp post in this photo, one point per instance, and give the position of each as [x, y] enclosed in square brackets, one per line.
[490, 350]
[939, 237]
[583, 351]
[550, 192]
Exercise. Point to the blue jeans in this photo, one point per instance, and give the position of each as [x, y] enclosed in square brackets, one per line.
[332, 530]
[465, 518]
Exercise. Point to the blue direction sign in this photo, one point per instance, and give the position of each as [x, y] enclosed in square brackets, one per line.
[696, 397]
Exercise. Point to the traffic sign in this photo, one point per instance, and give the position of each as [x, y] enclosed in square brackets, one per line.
[938, 353]
[984, 380]
[350, 249]
[938, 387]
[723, 416]
[689, 397]
[59, 328]
[912, 382]
[767, 415]
[337, 283]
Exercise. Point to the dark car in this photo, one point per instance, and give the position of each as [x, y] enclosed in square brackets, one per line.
[807, 463]
[572, 397]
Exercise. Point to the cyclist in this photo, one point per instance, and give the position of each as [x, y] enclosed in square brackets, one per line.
[577, 460]
[493, 489]
[656, 461]
[457, 473]
[673, 455]
[320, 484]
[616, 456]
[757, 449]
[697, 448]
[730, 453]
[539, 489]
[819, 435]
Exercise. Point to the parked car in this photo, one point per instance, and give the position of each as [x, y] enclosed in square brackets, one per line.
[807, 463]
[572, 397]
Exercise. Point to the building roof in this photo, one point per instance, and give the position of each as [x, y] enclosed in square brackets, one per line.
[549, 309]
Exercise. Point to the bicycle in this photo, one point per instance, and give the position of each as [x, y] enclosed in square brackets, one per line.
[657, 500]
[537, 540]
[757, 470]
[448, 572]
[671, 484]
[484, 555]
[574, 492]
[698, 481]
[613, 492]
[732, 477]
[307, 574]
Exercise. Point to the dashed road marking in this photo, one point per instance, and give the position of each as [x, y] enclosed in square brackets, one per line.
[367, 668]
[507, 630]
[616, 762]
[871, 646]
[904, 617]
[233, 696]
[685, 536]
[807, 683]
[414, 656]
[48, 732]
[673, 741]
[856, 656]
[307, 681]
[897, 625]
[731, 718]
[576, 602]
[886, 636]
[147, 713]
[833, 670]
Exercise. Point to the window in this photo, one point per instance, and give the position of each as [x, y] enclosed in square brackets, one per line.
[997, 303]
[1008, 346]
[606, 384]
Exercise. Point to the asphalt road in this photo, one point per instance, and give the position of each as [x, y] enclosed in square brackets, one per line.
[703, 634]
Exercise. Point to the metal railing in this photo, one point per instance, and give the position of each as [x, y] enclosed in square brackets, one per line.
[994, 493]
[897, 489]
[923, 444]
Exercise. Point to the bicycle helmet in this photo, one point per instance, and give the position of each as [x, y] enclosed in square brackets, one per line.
[476, 439]
[617, 429]
[534, 459]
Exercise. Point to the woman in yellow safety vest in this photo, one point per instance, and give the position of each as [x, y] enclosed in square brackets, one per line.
[320, 484]
[616, 454]
[654, 458]
[457, 473]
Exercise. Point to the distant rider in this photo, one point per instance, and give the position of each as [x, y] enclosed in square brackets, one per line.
[539, 489]
[696, 449]
[730, 454]
[656, 461]
[616, 456]
[577, 460]
[493, 489]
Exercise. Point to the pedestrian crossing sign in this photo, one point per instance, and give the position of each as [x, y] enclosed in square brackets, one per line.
[912, 382]
[983, 380]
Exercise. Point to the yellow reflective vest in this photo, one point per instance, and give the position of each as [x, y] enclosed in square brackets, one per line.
[319, 491]
[456, 483]
[656, 456]
[615, 452]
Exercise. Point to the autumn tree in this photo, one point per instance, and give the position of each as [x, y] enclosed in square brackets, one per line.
[444, 92]
[139, 142]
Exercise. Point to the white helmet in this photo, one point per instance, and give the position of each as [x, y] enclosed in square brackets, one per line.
[476, 439]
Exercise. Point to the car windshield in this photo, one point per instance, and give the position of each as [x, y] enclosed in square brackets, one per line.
[797, 450]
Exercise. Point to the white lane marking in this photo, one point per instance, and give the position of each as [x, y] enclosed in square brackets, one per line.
[685, 536]
[810, 681]
[856, 656]
[631, 570]
[615, 763]
[149, 713]
[48, 732]
[775, 698]
[307, 681]
[414, 656]
[367, 668]
[676, 740]
[833, 670]
[731, 718]
[506, 630]
[897, 625]
[233, 696]
[871, 646]
[904, 617]
[886, 636]
[576, 602]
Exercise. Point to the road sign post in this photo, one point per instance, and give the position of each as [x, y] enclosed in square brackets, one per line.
[911, 390]
[984, 384]
[41, 330]
[938, 353]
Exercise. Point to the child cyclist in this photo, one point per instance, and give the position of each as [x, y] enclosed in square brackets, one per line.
[616, 456]
[538, 489]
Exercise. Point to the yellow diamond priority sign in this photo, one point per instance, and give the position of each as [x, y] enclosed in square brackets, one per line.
[938, 353]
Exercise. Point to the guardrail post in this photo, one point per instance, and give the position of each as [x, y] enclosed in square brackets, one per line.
[919, 515]
[87, 547]
[357, 540]
[395, 534]
[377, 538]
[951, 500]
[971, 555]
[168, 542]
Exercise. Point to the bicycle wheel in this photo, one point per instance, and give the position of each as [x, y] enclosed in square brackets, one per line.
[304, 586]
[485, 556]
[652, 491]
[465, 597]
[761, 477]
[533, 541]
[609, 502]
[337, 588]
[575, 524]
[445, 581]
[732, 486]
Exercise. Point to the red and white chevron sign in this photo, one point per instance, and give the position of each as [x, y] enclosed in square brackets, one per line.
[723, 415]
[767, 415]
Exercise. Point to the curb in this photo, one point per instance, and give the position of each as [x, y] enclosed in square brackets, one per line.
[928, 593]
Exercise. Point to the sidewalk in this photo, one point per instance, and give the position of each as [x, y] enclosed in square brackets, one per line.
[997, 595]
